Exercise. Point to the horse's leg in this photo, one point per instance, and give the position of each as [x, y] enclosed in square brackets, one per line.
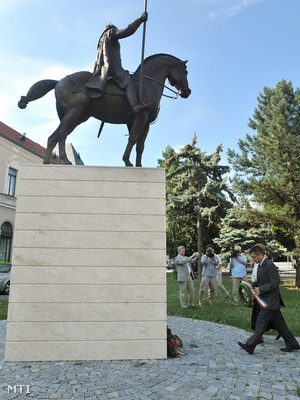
[62, 151]
[52, 140]
[135, 131]
[66, 126]
[140, 146]
[128, 150]
[62, 142]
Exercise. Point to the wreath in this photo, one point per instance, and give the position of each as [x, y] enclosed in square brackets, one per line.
[174, 344]
[245, 295]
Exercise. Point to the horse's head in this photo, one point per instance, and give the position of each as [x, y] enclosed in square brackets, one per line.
[178, 78]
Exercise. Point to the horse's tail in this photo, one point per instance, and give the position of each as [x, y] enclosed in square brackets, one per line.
[38, 90]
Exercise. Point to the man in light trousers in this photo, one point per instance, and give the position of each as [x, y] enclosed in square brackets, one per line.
[219, 280]
[185, 276]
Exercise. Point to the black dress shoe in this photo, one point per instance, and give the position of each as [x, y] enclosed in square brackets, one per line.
[289, 349]
[278, 336]
[245, 347]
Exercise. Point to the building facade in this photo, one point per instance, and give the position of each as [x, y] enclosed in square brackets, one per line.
[17, 149]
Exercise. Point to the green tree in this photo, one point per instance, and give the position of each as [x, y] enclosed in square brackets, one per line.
[174, 229]
[268, 166]
[200, 194]
[245, 226]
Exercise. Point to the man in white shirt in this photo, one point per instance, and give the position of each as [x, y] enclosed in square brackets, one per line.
[219, 280]
[238, 263]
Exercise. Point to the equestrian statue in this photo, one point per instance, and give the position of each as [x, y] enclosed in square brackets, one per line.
[110, 94]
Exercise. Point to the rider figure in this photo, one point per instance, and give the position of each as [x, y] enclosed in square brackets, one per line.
[108, 63]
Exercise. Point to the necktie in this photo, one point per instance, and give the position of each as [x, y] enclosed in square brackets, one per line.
[258, 269]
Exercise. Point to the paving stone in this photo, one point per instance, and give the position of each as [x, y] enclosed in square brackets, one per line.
[214, 367]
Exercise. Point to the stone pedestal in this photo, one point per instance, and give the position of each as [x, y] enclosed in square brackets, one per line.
[88, 277]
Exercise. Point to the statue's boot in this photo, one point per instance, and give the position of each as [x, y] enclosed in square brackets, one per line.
[139, 108]
[133, 100]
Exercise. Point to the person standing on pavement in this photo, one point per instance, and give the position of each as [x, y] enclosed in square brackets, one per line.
[267, 288]
[256, 307]
[238, 263]
[185, 276]
[209, 263]
[219, 280]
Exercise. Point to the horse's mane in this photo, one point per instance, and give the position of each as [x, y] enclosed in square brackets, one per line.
[154, 56]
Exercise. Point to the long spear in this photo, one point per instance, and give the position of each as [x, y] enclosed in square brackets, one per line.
[142, 61]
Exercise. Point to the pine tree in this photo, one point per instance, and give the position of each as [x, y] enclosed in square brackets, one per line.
[199, 189]
[244, 226]
[268, 167]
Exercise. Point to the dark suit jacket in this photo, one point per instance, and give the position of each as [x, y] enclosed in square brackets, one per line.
[268, 281]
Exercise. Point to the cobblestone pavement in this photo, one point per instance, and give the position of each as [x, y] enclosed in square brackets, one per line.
[214, 367]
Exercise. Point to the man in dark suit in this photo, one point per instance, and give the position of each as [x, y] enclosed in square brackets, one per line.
[267, 287]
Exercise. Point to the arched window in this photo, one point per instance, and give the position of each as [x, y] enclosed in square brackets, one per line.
[5, 242]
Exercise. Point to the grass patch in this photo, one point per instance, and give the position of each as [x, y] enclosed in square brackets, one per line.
[224, 312]
[3, 309]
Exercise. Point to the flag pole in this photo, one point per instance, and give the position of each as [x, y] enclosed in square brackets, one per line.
[142, 60]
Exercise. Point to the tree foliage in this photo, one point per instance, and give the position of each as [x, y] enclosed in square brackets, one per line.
[197, 196]
[268, 165]
[245, 226]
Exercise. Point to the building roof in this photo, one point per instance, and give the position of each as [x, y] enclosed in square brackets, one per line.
[21, 140]
[72, 154]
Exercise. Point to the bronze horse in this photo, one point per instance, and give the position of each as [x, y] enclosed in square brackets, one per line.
[74, 104]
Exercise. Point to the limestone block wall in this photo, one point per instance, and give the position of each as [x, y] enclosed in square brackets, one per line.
[88, 278]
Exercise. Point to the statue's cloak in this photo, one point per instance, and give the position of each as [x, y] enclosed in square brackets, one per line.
[96, 84]
[98, 81]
